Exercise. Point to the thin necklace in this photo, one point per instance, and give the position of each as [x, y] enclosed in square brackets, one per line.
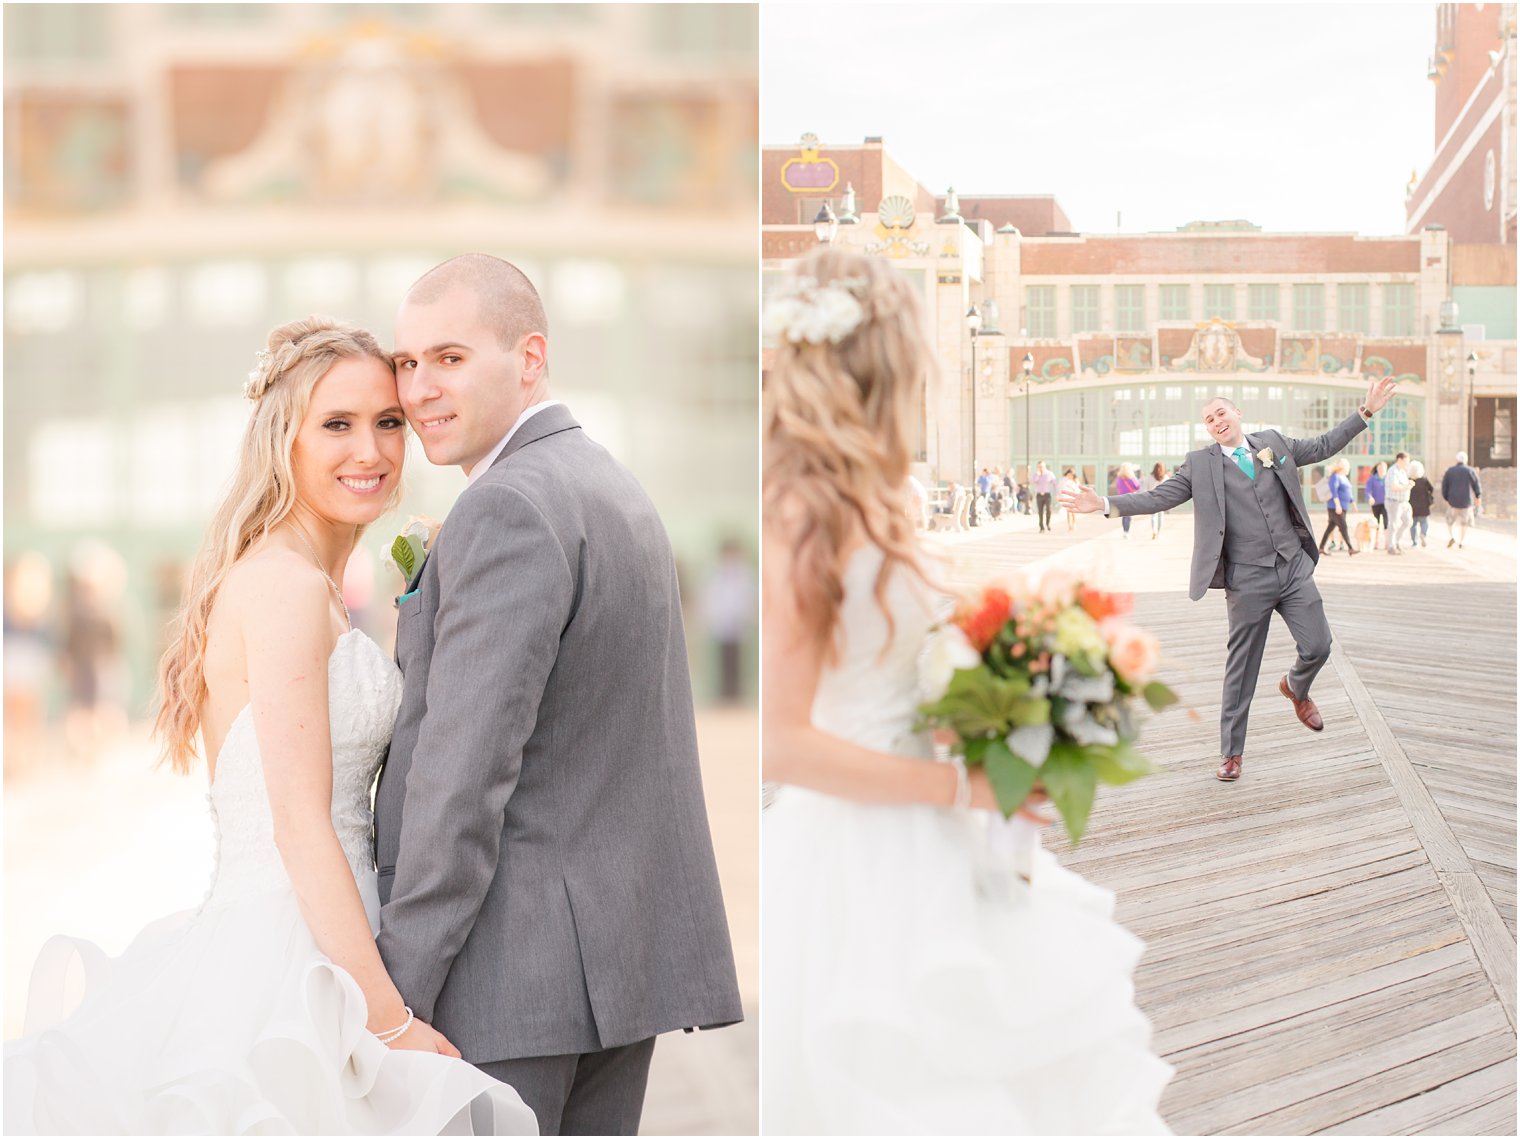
[346, 616]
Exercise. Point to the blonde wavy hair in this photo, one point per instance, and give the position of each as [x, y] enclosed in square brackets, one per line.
[837, 442]
[261, 495]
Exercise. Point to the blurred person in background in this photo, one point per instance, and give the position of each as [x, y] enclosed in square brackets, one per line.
[1376, 493]
[1340, 503]
[1044, 485]
[728, 609]
[1421, 495]
[1396, 502]
[1151, 481]
[1070, 485]
[93, 666]
[1463, 492]
[270, 1001]
[28, 657]
[1126, 483]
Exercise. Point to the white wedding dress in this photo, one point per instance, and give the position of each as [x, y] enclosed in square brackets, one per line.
[228, 1020]
[911, 983]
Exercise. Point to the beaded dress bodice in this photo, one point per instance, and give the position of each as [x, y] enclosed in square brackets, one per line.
[363, 693]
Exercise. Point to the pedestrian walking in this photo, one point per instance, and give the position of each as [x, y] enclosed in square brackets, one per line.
[1396, 501]
[1463, 492]
[1070, 485]
[1342, 501]
[1151, 482]
[1044, 490]
[1376, 491]
[1421, 494]
[1125, 482]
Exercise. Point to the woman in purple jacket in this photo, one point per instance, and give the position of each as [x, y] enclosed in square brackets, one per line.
[1126, 483]
[1342, 499]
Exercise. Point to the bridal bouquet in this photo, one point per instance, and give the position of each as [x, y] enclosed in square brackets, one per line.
[1040, 683]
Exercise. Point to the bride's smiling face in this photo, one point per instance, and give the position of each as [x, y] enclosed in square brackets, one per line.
[349, 449]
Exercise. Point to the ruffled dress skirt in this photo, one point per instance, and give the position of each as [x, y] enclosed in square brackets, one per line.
[914, 984]
[228, 1021]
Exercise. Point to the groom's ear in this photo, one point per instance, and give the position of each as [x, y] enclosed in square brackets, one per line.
[534, 347]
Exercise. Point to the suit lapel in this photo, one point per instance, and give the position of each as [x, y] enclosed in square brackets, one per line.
[1217, 466]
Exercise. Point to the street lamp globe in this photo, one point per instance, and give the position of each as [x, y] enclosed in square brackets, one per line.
[825, 225]
[1028, 364]
[973, 320]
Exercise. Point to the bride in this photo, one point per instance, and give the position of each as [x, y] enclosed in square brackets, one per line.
[902, 993]
[268, 1009]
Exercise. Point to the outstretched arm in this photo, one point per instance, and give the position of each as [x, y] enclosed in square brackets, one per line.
[508, 593]
[286, 630]
[1321, 447]
[1170, 492]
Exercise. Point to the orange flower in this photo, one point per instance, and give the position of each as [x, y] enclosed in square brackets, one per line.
[983, 624]
[1100, 605]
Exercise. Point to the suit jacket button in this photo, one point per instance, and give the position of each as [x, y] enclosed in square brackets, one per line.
[1221, 533]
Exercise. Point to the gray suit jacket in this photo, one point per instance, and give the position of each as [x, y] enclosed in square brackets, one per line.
[1208, 494]
[546, 869]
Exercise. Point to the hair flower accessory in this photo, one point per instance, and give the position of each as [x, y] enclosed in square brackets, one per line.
[258, 375]
[1268, 459]
[801, 311]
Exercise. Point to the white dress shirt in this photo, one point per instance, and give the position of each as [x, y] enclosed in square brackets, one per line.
[484, 465]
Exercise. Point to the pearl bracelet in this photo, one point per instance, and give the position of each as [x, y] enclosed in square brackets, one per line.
[397, 1033]
[962, 785]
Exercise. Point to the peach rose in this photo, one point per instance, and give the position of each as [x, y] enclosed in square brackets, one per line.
[1133, 653]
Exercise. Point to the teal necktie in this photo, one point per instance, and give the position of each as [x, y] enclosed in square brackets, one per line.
[1243, 461]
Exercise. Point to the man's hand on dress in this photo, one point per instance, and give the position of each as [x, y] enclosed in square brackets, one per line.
[1379, 392]
[1084, 501]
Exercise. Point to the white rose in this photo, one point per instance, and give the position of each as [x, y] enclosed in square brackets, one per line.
[945, 652]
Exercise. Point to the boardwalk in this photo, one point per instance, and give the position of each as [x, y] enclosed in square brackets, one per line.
[1331, 939]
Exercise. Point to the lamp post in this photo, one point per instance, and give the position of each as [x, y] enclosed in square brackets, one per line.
[1472, 410]
[974, 324]
[825, 225]
[1028, 458]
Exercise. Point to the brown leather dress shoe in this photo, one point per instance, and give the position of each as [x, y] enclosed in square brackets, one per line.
[1229, 770]
[1307, 713]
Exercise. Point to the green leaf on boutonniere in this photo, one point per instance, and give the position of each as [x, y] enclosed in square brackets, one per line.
[1071, 782]
[404, 556]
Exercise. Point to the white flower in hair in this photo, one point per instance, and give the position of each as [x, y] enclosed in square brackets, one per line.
[258, 375]
[803, 311]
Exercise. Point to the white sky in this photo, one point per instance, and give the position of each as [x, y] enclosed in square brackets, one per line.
[1293, 117]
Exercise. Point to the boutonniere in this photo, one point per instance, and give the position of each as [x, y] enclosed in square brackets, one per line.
[411, 546]
[1268, 459]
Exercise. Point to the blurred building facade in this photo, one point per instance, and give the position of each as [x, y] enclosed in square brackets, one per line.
[1126, 335]
[180, 178]
[1469, 190]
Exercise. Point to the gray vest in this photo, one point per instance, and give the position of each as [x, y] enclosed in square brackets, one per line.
[1258, 521]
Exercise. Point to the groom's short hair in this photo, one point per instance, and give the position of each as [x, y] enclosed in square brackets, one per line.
[1219, 399]
[508, 300]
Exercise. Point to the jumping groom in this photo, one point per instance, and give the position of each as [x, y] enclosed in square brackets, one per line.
[550, 896]
[1252, 538]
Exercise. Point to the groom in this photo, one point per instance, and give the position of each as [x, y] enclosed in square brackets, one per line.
[550, 897]
[1252, 538]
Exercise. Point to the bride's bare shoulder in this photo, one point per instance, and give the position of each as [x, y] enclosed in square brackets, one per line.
[270, 585]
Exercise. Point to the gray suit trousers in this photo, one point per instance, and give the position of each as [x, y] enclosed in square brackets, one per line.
[593, 1093]
[1252, 594]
